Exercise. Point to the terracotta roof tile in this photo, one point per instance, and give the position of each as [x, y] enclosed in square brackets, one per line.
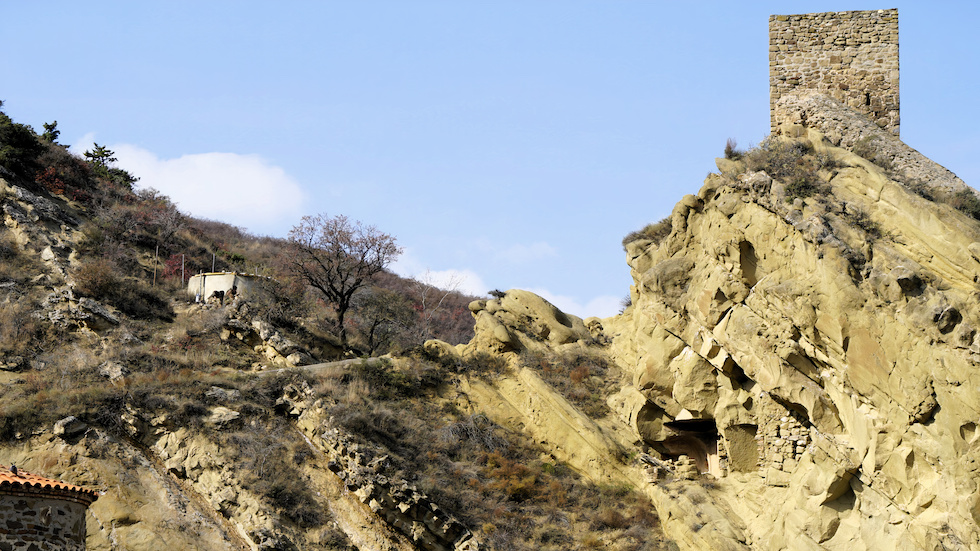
[24, 480]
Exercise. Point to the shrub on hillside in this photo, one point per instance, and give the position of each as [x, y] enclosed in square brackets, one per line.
[865, 147]
[283, 304]
[65, 174]
[266, 469]
[966, 201]
[577, 375]
[15, 264]
[97, 278]
[860, 218]
[381, 320]
[732, 152]
[100, 279]
[20, 330]
[19, 148]
[484, 364]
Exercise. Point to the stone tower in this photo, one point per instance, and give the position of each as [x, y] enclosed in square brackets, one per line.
[851, 56]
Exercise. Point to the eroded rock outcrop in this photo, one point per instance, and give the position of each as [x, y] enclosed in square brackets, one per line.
[521, 320]
[603, 450]
[141, 506]
[263, 337]
[820, 353]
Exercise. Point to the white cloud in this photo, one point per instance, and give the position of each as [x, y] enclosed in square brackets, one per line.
[244, 190]
[464, 280]
[470, 282]
[85, 143]
[601, 306]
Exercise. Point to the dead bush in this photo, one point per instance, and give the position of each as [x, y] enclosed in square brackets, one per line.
[15, 264]
[656, 232]
[608, 517]
[101, 280]
[18, 329]
[792, 162]
[732, 152]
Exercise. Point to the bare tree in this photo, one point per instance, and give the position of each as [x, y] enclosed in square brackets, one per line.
[431, 298]
[338, 256]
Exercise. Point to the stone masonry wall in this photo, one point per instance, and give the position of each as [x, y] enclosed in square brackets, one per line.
[852, 56]
[28, 521]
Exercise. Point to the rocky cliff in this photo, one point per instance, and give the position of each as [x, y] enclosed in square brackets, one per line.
[807, 360]
[835, 363]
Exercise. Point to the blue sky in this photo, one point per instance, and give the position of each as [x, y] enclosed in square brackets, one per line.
[512, 142]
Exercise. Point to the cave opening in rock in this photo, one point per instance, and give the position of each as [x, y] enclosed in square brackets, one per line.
[749, 262]
[697, 439]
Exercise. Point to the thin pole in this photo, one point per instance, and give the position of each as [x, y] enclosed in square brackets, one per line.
[212, 262]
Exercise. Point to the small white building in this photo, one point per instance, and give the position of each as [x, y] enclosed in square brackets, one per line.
[204, 285]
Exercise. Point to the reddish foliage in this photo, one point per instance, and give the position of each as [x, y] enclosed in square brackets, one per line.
[579, 373]
[79, 195]
[174, 266]
[515, 479]
[50, 180]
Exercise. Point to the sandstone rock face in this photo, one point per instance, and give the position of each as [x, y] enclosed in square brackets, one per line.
[69, 426]
[820, 356]
[139, 508]
[522, 320]
[602, 450]
[811, 362]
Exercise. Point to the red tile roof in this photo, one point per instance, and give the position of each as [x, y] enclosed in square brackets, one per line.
[24, 481]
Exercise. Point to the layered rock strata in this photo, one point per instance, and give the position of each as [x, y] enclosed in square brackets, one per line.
[829, 344]
[364, 474]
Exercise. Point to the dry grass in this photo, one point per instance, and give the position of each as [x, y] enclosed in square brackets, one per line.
[494, 480]
[102, 280]
[15, 265]
[655, 232]
[21, 333]
[580, 376]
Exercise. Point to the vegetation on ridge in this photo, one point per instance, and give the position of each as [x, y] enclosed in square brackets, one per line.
[655, 232]
[792, 162]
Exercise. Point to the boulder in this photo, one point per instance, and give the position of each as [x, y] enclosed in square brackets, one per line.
[113, 371]
[69, 427]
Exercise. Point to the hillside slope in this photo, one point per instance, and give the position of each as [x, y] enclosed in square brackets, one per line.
[198, 432]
